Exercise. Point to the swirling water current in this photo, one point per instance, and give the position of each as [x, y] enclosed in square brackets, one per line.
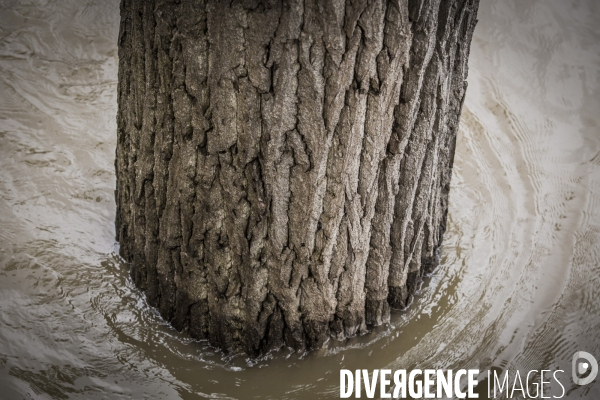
[518, 287]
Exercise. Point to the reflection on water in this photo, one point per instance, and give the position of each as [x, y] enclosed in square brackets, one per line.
[518, 288]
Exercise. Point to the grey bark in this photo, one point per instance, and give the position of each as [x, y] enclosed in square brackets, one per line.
[283, 167]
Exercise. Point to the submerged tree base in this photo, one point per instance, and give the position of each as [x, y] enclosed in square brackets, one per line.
[283, 167]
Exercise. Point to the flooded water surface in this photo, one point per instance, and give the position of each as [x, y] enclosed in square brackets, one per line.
[519, 283]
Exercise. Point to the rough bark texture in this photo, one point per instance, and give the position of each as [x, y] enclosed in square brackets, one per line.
[283, 167]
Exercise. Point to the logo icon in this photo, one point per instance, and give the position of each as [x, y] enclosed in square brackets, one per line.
[584, 372]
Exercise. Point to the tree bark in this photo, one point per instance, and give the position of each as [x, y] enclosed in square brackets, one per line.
[283, 167]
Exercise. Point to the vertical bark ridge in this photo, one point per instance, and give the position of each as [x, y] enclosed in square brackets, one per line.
[283, 167]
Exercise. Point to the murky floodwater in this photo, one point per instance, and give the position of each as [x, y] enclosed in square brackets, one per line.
[518, 288]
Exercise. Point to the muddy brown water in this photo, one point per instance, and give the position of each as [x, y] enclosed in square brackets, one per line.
[519, 283]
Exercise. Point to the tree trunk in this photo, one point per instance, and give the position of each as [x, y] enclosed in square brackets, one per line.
[283, 167]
